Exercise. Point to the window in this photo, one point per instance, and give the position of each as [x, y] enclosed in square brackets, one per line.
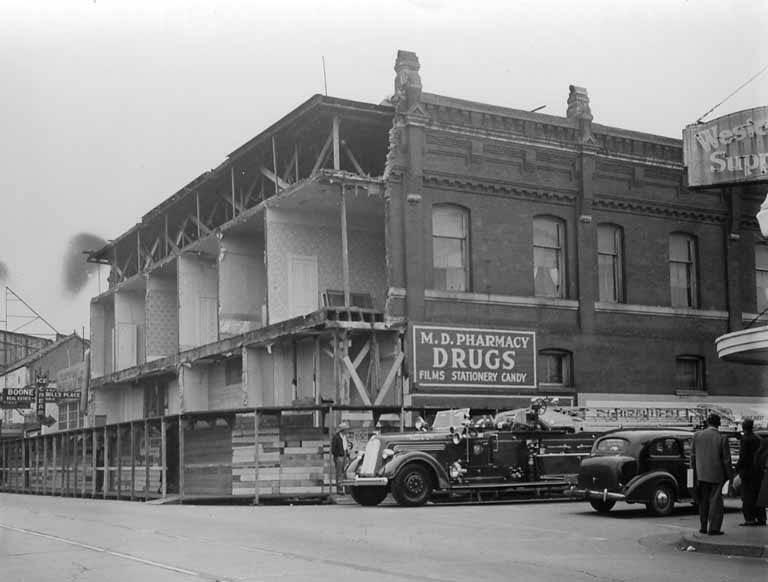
[666, 447]
[155, 399]
[610, 446]
[689, 373]
[610, 263]
[450, 252]
[761, 277]
[682, 270]
[555, 368]
[69, 415]
[548, 259]
[233, 371]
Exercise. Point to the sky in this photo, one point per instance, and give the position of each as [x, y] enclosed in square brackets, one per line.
[107, 107]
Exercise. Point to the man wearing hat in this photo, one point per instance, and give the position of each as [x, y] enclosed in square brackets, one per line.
[711, 460]
[750, 475]
[340, 452]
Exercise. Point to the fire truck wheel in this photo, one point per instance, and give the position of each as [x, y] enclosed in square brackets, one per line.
[662, 500]
[368, 496]
[412, 485]
[601, 506]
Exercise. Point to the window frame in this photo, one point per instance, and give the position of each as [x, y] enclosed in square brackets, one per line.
[761, 304]
[463, 212]
[692, 270]
[700, 379]
[566, 364]
[617, 268]
[560, 254]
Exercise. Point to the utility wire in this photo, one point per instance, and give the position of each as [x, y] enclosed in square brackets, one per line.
[739, 88]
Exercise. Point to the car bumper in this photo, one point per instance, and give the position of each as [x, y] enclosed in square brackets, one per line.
[365, 482]
[603, 495]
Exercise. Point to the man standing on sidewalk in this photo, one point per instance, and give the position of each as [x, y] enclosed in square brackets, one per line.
[340, 453]
[750, 476]
[711, 460]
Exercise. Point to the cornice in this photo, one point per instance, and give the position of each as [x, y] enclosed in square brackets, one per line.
[633, 206]
[492, 188]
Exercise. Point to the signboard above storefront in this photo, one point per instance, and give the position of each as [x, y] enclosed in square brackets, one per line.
[732, 149]
[475, 358]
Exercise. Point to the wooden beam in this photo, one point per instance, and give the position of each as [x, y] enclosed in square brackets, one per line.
[105, 481]
[133, 461]
[361, 354]
[344, 246]
[163, 459]
[181, 459]
[146, 459]
[276, 179]
[352, 159]
[278, 187]
[201, 227]
[336, 144]
[390, 379]
[85, 460]
[75, 464]
[94, 449]
[54, 467]
[291, 163]
[45, 464]
[255, 457]
[232, 187]
[323, 152]
[119, 430]
[356, 380]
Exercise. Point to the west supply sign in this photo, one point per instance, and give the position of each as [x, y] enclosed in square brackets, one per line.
[731, 149]
[463, 357]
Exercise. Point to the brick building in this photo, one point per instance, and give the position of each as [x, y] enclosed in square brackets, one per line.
[436, 252]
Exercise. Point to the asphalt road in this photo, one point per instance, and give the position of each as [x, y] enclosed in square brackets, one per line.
[76, 540]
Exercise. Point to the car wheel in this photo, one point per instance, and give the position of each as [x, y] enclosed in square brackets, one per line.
[368, 496]
[601, 506]
[412, 485]
[662, 500]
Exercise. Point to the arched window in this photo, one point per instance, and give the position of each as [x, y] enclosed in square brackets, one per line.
[761, 277]
[610, 263]
[682, 270]
[450, 247]
[555, 367]
[548, 257]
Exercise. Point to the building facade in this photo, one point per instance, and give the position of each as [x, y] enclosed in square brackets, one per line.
[431, 252]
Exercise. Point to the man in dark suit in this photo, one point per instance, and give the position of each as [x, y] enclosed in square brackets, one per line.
[340, 453]
[750, 476]
[711, 460]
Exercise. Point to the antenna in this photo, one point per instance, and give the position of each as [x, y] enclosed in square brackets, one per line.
[325, 79]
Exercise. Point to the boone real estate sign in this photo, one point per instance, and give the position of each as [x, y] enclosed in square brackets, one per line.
[464, 357]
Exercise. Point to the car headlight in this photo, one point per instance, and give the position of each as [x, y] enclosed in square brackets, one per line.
[387, 453]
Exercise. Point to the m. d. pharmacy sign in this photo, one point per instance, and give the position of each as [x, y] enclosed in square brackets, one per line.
[463, 357]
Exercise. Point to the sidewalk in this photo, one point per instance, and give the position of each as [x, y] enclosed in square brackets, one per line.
[737, 540]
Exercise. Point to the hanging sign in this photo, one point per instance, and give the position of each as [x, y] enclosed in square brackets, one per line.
[464, 357]
[728, 150]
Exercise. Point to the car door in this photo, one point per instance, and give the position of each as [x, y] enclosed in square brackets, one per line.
[666, 454]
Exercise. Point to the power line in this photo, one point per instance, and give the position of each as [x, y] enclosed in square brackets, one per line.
[739, 88]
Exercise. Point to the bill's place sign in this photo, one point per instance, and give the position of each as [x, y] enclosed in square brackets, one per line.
[464, 357]
[730, 149]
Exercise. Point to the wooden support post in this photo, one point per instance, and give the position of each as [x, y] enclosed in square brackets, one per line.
[85, 462]
[232, 185]
[323, 153]
[255, 457]
[54, 464]
[197, 211]
[163, 459]
[274, 165]
[94, 449]
[119, 430]
[133, 461]
[45, 464]
[181, 459]
[296, 158]
[166, 239]
[75, 459]
[336, 144]
[105, 482]
[344, 247]
[23, 443]
[146, 459]
[138, 251]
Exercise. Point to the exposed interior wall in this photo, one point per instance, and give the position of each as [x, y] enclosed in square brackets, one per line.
[130, 320]
[291, 233]
[225, 386]
[172, 397]
[119, 402]
[269, 373]
[102, 336]
[198, 301]
[194, 382]
[242, 285]
[162, 310]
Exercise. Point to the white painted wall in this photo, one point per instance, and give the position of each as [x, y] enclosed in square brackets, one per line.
[242, 284]
[198, 301]
[130, 319]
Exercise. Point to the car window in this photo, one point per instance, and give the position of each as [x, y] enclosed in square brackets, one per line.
[666, 447]
[611, 446]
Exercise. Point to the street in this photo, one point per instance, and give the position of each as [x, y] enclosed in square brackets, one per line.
[47, 538]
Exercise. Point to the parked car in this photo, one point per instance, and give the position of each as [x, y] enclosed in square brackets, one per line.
[650, 466]
[476, 460]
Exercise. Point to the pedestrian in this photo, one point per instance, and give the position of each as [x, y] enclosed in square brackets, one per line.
[711, 460]
[748, 472]
[340, 453]
[761, 466]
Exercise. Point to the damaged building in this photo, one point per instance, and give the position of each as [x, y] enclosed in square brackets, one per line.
[349, 252]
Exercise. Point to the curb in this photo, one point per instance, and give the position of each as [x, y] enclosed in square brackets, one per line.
[731, 549]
